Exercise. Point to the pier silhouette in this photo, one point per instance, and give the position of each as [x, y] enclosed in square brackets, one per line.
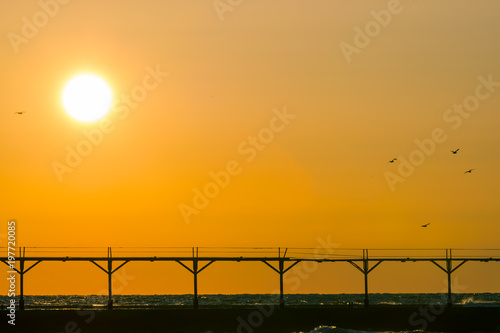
[280, 260]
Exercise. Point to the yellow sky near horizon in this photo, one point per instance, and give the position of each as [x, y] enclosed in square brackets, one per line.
[322, 173]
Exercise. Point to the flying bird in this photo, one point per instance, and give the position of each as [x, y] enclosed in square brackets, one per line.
[19, 112]
[455, 151]
[425, 225]
[469, 171]
[393, 160]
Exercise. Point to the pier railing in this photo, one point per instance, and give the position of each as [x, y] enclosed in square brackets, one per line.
[281, 260]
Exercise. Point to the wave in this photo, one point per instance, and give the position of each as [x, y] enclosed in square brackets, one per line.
[334, 329]
[299, 300]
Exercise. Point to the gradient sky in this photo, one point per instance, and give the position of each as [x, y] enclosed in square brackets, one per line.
[323, 174]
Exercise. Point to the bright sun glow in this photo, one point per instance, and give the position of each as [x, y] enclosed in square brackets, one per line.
[87, 98]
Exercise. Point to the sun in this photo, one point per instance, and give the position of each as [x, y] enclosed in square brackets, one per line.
[87, 98]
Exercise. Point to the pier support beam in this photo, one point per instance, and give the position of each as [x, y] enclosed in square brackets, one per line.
[195, 271]
[365, 270]
[110, 272]
[21, 271]
[449, 270]
[281, 271]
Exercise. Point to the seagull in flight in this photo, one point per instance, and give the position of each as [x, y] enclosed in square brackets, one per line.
[19, 112]
[425, 225]
[454, 152]
[393, 160]
[469, 171]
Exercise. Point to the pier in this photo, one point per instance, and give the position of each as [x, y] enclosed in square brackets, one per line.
[280, 260]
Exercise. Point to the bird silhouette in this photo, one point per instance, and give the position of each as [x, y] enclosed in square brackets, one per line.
[393, 160]
[454, 152]
[19, 112]
[469, 171]
[425, 225]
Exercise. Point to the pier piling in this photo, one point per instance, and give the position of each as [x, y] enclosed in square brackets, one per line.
[365, 270]
[21, 284]
[449, 270]
[195, 271]
[281, 271]
[21, 271]
[110, 273]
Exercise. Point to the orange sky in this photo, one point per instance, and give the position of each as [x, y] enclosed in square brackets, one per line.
[354, 101]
